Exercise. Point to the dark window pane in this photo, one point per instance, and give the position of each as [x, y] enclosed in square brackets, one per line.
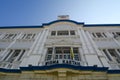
[53, 33]
[72, 32]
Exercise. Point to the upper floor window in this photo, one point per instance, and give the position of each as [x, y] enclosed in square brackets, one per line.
[116, 34]
[14, 55]
[28, 36]
[53, 33]
[72, 32]
[60, 33]
[9, 36]
[99, 35]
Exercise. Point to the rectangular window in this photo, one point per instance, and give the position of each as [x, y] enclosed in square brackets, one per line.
[99, 35]
[58, 50]
[50, 50]
[63, 33]
[49, 57]
[8, 54]
[56, 56]
[75, 50]
[62, 53]
[53, 33]
[114, 55]
[118, 33]
[21, 55]
[33, 36]
[9, 36]
[60, 57]
[14, 55]
[104, 35]
[72, 32]
[28, 36]
[118, 50]
[76, 57]
[93, 34]
[105, 52]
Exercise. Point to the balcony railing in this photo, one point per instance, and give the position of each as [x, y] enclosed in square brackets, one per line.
[62, 61]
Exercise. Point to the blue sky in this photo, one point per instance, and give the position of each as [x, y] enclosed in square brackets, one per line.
[36, 12]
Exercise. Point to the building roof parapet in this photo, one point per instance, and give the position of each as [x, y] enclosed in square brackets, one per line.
[56, 21]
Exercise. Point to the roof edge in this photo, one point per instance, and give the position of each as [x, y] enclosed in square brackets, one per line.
[72, 21]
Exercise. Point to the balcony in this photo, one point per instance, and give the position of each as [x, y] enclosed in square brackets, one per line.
[62, 61]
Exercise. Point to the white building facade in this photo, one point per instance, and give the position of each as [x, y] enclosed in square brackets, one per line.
[60, 50]
[60, 42]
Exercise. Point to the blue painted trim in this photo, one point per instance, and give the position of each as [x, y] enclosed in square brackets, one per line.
[113, 71]
[32, 68]
[14, 27]
[84, 68]
[100, 25]
[71, 21]
[45, 24]
[10, 70]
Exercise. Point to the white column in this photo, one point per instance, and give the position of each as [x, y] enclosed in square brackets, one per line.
[85, 49]
[34, 58]
[110, 55]
[99, 54]
[117, 52]
[38, 43]
[2, 35]
[104, 60]
[43, 49]
[108, 35]
[4, 55]
[82, 57]
[84, 46]
[42, 42]
[32, 50]
[53, 53]
[94, 46]
[114, 39]
[92, 57]
[35, 43]
[42, 57]
[88, 45]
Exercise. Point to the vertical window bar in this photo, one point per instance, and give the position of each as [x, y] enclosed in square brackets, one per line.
[7, 55]
[104, 35]
[93, 35]
[21, 55]
[105, 52]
